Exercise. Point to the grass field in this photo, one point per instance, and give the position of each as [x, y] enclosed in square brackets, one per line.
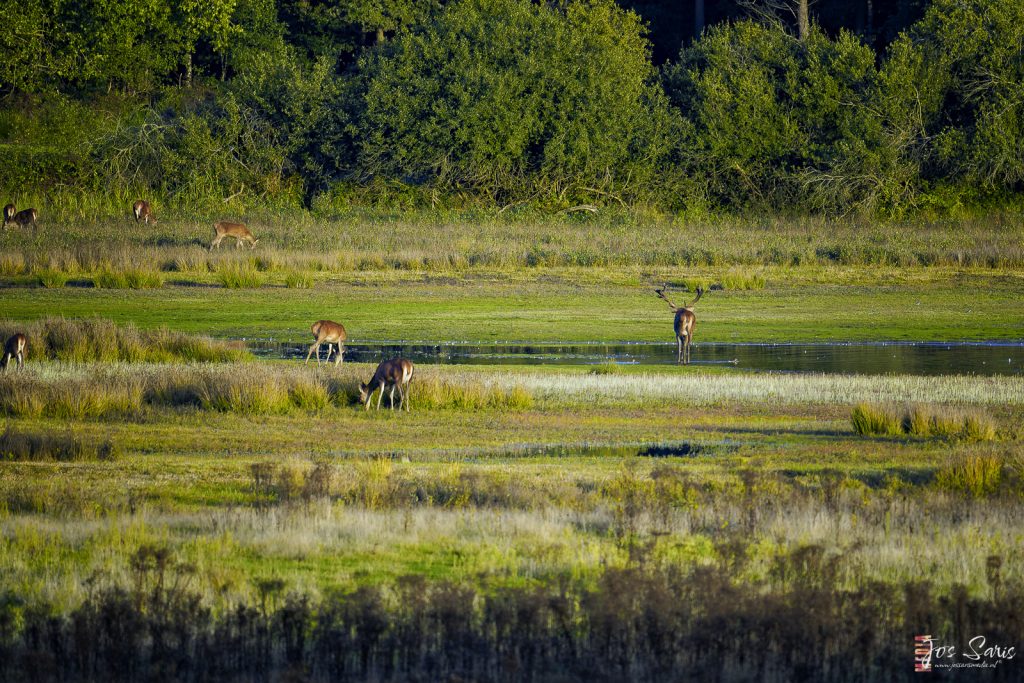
[248, 518]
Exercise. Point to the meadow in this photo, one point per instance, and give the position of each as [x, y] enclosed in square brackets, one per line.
[172, 507]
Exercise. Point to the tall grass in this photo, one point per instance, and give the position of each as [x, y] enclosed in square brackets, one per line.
[383, 241]
[246, 388]
[99, 339]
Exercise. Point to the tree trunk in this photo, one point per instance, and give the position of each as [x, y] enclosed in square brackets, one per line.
[188, 70]
[803, 19]
[380, 36]
[698, 18]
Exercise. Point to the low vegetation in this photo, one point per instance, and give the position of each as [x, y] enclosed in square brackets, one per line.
[21, 446]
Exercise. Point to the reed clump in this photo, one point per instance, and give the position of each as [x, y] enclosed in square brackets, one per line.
[131, 278]
[978, 475]
[925, 421]
[239, 276]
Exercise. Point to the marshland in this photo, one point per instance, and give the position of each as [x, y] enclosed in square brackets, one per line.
[496, 190]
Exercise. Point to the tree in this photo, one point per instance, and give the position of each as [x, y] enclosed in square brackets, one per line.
[378, 16]
[514, 98]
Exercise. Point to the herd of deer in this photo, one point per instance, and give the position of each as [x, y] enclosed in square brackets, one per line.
[394, 374]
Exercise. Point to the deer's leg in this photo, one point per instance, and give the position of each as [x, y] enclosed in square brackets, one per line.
[340, 358]
[393, 396]
[381, 397]
[679, 349]
[310, 354]
[216, 243]
[405, 398]
[686, 348]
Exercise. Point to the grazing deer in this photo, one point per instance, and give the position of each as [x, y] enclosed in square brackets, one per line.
[331, 333]
[396, 372]
[14, 349]
[684, 323]
[9, 211]
[241, 233]
[23, 218]
[143, 212]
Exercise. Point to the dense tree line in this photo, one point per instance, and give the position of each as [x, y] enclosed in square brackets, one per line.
[749, 104]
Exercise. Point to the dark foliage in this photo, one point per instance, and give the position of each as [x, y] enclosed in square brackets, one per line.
[639, 623]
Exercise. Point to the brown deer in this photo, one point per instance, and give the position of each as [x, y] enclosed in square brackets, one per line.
[396, 372]
[684, 324]
[241, 233]
[22, 218]
[143, 212]
[331, 333]
[14, 349]
[9, 212]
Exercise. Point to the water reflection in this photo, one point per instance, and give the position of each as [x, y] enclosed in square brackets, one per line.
[902, 358]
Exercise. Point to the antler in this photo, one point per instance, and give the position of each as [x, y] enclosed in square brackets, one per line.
[661, 293]
[700, 293]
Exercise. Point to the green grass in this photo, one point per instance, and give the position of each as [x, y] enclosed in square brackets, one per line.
[566, 306]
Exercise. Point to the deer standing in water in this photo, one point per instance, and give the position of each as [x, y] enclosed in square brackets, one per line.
[331, 333]
[143, 212]
[14, 349]
[241, 233]
[684, 323]
[393, 373]
[22, 218]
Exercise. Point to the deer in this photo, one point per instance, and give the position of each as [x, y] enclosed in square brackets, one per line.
[14, 349]
[393, 373]
[143, 212]
[331, 333]
[241, 233]
[22, 218]
[684, 323]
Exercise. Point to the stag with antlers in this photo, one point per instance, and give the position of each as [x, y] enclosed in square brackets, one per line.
[684, 323]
